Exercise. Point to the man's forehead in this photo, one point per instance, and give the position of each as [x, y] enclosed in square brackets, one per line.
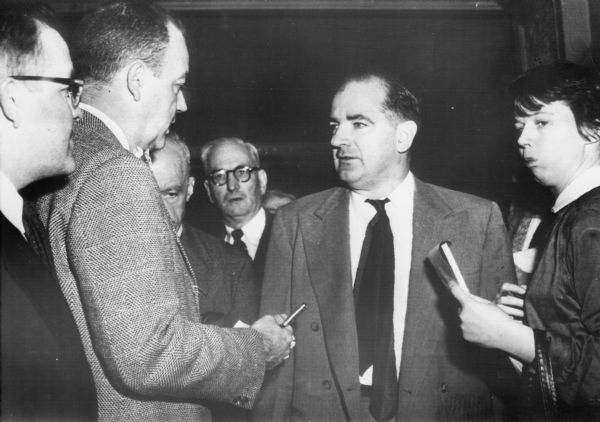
[359, 97]
[230, 154]
[54, 58]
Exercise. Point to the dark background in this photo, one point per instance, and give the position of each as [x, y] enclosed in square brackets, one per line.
[268, 76]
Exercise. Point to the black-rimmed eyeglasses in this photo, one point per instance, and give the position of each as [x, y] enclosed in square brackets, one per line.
[75, 86]
[241, 173]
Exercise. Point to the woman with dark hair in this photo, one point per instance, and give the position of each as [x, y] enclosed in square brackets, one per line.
[557, 112]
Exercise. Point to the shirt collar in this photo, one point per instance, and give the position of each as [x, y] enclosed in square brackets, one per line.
[114, 128]
[582, 184]
[254, 228]
[399, 197]
[11, 203]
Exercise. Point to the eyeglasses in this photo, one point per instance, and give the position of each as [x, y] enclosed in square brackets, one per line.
[241, 173]
[75, 86]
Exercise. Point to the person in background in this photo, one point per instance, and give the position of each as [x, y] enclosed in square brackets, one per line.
[275, 199]
[224, 273]
[236, 184]
[124, 274]
[45, 375]
[380, 339]
[557, 113]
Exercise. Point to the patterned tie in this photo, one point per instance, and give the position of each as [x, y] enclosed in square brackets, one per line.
[374, 296]
[237, 235]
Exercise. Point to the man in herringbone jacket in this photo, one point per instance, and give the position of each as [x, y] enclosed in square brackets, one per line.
[124, 273]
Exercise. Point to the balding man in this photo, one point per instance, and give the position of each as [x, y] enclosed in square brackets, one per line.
[224, 273]
[45, 375]
[121, 266]
[236, 184]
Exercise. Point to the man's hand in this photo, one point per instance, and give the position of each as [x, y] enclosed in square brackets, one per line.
[277, 340]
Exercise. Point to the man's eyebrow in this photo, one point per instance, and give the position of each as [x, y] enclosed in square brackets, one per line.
[359, 117]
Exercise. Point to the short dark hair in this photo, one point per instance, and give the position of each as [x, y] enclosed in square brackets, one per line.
[20, 45]
[115, 34]
[399, 100]
[576, 85]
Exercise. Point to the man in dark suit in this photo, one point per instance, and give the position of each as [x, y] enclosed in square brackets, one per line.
[122, 269]
[399, 355]
[224, 273]
[45, 375]
[236, 184]
[226, 283]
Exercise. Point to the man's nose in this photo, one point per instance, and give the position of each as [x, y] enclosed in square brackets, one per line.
[339, 137]
[181, 103]
[232, 182]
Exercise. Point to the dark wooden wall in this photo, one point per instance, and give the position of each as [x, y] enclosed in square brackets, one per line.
[266, 72]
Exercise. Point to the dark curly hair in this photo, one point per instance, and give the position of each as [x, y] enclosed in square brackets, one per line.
[575, 85]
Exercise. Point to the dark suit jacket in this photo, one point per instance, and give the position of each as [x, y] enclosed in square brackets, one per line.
[134, 297]
[45, 375]
[261, 252]
[441, 376]
[226, 283]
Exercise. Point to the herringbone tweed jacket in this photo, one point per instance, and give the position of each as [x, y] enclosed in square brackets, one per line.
[133, 295]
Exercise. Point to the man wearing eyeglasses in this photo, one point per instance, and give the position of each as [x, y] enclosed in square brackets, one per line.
[122, 268]
[45, 375]
[235, 183]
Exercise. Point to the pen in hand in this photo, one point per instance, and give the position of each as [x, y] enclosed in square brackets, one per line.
[293, 316]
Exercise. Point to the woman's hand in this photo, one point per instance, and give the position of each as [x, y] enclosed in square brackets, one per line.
[485, 324]
[510, 299]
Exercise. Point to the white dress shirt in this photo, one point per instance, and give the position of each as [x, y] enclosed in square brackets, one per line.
[400, 213]
[11, 203]
[253, 231]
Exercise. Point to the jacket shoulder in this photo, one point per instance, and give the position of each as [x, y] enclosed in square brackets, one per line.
[453, 199]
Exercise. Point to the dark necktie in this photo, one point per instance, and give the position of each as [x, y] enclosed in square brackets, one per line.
[237, 235]
[35, 233]
[374, 296]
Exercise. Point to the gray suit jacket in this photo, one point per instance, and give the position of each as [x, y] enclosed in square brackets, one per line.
[134, 296]
[441, 376]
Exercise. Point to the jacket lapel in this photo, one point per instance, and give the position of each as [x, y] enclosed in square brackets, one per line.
[327, 249]
[429, 213]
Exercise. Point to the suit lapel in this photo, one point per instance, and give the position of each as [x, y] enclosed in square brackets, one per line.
[428, 220]
[327, 249]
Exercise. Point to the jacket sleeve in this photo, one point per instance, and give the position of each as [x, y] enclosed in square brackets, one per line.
[275, 400]
[575, 357]
[137, 296]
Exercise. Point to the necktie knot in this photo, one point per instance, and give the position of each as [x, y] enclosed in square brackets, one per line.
[237, 235]
[378, 204]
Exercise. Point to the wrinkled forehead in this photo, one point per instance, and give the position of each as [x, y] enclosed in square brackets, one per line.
[230, 155]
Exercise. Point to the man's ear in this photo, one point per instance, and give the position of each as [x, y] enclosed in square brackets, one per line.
[262, 181]
[190, 188]
[9, 103]
[405, 134]
[208, 191]
[136, 74]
